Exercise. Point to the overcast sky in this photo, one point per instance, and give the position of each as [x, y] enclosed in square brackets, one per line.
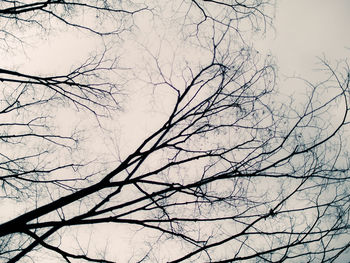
[306, 29]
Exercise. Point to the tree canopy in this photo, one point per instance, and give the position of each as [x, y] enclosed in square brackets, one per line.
[221, 165]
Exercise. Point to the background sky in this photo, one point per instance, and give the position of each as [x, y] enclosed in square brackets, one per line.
[304, 29]
[307, 29]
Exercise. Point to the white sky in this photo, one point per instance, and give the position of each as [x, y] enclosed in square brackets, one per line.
[305, 29]
[309, 28]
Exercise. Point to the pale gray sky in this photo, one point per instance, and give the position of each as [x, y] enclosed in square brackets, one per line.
[307, 29]
[304, 29]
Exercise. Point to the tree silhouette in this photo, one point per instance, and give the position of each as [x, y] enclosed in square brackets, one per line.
[236, 171]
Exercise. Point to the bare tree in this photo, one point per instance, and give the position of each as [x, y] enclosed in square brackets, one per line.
[236, 172]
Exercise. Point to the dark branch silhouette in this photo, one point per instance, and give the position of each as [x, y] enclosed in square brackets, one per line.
[236, 171]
